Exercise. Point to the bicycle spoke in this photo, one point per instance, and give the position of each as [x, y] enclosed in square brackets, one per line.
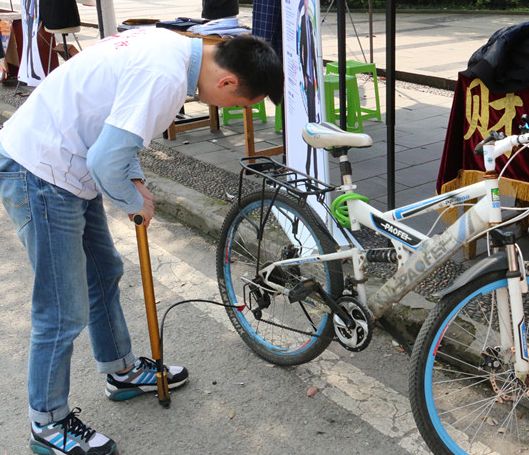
[448, 356]
[469, 377]
[464, 388]
[464, 406]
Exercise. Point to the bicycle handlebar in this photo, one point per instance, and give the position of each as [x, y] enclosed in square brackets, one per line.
[501, 145]
[505, 145]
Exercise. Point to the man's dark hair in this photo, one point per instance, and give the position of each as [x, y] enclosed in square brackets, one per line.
[256, 65]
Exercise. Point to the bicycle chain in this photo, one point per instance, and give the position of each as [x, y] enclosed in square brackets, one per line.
[281, 326]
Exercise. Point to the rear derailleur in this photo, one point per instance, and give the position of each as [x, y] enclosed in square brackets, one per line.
[258, 299]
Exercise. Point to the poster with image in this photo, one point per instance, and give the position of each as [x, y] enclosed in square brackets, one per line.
[31, 71]
[303, 67]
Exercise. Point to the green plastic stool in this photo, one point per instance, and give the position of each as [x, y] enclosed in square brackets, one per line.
[332, 112]
[352, 68]
[278, 123]
[235, 112]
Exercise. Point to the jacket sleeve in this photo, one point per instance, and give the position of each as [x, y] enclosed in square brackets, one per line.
[112, 161]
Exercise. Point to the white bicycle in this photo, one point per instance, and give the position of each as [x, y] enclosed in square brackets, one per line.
[293, 291]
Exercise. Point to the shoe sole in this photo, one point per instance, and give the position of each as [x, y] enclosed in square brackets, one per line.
[115, 394]
[42, 449]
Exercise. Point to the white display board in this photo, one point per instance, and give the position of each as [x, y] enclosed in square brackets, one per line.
[30, 71]
[304, 95]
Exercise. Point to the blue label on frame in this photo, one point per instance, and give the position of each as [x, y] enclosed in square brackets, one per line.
[522, 329]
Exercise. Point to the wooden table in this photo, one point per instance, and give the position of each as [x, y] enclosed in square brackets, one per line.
[212, 120]
[184, 123]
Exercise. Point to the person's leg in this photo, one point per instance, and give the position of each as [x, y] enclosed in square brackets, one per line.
[108, 328]
[107, 325]
[50, 224]
[54, 242]
[127, 376]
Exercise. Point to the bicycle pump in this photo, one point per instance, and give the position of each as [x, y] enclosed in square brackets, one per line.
[150, 307]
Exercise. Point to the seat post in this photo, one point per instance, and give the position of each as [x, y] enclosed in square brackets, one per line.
[346, 170]
[338, 152]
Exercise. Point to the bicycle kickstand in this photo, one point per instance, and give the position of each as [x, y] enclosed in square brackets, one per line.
[150, 307]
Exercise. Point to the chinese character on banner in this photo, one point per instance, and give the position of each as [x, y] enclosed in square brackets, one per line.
[476, 111]
[31, 71]
[478, 106]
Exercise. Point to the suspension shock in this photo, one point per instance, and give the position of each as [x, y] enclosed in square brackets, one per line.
[382, 255]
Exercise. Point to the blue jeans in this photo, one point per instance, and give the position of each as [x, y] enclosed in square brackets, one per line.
[77, 271]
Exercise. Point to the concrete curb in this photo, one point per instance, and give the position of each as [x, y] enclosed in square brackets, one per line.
[206, 214]
[188, 206]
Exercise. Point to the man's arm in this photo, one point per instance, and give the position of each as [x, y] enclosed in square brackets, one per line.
[113, 161]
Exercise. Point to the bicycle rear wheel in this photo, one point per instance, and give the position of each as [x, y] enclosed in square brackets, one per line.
[464, 394]
[279, 331]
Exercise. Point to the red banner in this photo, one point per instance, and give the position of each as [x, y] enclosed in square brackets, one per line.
[475, 112]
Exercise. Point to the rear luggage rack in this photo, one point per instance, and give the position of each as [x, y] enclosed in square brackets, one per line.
[277, 175]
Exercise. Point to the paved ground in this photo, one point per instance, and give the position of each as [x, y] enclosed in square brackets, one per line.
[207, 162]
[235, 403]
[451, 38]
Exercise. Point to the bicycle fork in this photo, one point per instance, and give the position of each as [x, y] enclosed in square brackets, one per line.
[514, 335]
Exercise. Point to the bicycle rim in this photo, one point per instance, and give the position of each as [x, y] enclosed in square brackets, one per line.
[473, 400]
[286, 333]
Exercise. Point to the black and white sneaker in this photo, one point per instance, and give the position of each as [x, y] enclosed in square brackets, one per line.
[69, 436]
[142, 379]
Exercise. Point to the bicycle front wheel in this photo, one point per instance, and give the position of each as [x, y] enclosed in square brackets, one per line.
[465, 396]
[262, 229]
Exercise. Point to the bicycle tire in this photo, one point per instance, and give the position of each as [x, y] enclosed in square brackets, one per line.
[236, 260]
[464, 396]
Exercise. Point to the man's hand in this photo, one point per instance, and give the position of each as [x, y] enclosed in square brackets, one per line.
[148, 203]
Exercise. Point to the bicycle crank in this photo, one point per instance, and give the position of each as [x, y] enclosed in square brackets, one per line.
[358, 336]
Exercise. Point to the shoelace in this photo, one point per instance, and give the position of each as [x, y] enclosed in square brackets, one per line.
[150, 364]
[71, 423]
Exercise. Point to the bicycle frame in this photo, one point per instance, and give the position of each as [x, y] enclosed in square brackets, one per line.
[428, 252]
[419, 254]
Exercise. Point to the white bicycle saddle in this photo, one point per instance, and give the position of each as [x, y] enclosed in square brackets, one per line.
[326, 135]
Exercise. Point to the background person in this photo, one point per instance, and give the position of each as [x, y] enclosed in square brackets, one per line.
[266, 23]
[219, 9]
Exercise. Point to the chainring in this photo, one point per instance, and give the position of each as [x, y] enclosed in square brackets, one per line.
[358, 337]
